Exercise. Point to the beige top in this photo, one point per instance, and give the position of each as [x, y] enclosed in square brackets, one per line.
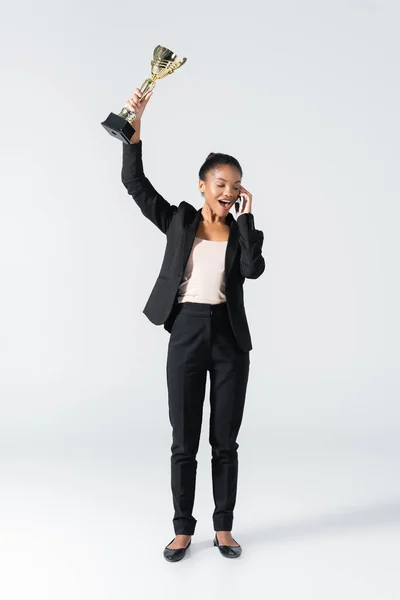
[204, 277]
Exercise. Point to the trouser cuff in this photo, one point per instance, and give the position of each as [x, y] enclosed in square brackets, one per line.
[223, 523]
[184, 525]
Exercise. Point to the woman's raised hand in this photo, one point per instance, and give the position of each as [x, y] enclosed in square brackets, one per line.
[137, 102]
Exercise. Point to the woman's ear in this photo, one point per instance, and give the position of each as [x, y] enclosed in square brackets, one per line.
[201, 186]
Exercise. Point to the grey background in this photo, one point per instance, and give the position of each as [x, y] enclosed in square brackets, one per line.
[306, 96]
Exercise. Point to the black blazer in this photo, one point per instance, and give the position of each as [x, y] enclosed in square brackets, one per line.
[180, 223]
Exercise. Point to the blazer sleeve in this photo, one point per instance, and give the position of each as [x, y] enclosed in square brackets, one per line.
[252, 263]
[150, 202]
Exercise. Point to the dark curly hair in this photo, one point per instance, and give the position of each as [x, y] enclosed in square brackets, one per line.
[218, 159]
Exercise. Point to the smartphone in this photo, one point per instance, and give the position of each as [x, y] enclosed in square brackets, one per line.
[238, 204]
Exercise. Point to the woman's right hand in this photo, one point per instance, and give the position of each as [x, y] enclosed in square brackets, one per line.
[137, 102]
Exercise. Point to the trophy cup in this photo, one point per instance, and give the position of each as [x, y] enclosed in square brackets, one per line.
[164, 63]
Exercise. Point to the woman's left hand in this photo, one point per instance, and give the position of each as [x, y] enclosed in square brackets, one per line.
[246, 204]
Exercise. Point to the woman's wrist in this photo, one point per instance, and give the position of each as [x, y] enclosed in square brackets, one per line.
[136, 136]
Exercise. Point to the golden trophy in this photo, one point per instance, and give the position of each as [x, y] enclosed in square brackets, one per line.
[164, 63]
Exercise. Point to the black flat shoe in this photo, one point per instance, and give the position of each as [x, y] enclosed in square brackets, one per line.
[228, 551]
[175, 555]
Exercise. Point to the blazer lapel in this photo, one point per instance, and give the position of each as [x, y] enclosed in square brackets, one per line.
[231, 248]
[188, 238]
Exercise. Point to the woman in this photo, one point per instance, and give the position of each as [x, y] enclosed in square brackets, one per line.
[198, 297]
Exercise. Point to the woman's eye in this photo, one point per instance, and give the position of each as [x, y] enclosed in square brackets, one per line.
[221, 186]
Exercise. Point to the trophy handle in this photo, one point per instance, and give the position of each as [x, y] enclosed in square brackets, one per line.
[146, 86]
[181, 63]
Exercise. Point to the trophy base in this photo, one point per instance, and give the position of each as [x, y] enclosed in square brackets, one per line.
[118, 127]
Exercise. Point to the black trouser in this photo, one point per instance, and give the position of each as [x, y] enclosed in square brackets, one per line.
[202, 340]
